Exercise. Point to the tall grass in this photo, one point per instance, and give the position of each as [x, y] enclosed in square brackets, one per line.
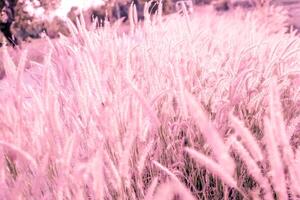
[204, 108]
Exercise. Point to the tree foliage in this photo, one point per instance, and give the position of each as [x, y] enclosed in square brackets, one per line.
[32, 16]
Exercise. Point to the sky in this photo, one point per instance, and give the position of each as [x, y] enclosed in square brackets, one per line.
[63, 9]
[66, 5]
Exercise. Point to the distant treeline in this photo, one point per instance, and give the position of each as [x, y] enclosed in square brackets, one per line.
[23, 25]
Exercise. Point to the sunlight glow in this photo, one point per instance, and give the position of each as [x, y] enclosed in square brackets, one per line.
[66, 5]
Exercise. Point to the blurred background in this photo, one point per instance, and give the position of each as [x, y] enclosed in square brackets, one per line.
[29, 19]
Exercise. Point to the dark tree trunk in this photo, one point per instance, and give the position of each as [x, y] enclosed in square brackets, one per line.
[7, 18]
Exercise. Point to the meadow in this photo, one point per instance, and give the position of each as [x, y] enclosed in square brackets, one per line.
[181, 107]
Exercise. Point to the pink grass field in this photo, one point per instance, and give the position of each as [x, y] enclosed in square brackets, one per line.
[194, 107]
